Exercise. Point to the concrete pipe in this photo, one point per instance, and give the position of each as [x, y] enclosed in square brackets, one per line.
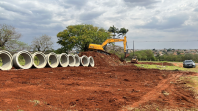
[84, 61]
[6, 58]
[72, 60]
[91, 61]
[77, 58]
[63, 60]
[42, 60]
[52, 60]
[27, 57]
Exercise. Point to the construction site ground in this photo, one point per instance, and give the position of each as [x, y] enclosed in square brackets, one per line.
[109, 86]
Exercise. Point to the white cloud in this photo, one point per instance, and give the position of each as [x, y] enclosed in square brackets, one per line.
[146, 19]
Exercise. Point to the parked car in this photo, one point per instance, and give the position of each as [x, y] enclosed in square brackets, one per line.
[189, 63]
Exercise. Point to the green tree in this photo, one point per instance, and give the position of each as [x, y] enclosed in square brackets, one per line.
[7, 34]
[188, 56]
[143, 55]
[195, 58]
[150, 55]
[80, 36]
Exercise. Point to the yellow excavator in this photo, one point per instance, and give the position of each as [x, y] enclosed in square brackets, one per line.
[101, 48]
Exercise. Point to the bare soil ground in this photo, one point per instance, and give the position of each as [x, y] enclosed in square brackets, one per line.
[178, 64]
[109, 86]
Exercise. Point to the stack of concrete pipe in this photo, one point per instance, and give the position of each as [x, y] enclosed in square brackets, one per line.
[51, 60]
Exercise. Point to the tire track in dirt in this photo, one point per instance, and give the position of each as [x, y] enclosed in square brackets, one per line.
[155, 93]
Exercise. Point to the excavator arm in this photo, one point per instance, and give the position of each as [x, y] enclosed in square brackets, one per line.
[115, 40]
[100, 47]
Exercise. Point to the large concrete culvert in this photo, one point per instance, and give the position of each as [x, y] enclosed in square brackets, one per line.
[26, 56]
[40, 61]
[91, 61]
[52, 60]
[77, 58]
[63, 60]
[6, 59]
[84, 61]
[72, 60]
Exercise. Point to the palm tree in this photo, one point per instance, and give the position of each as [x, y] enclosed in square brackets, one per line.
[122, 31]
[113, 30]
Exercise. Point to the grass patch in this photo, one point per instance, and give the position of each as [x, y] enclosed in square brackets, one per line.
[155, 61]
[36, 60]
[22, 61]
[160, 67]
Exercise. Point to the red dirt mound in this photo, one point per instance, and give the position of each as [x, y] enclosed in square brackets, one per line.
[103, 59]
[153, 63]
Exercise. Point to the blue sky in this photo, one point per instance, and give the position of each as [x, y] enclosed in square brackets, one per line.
[147, 20]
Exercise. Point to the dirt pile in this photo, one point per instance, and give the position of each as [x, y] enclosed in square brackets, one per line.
[103, 59]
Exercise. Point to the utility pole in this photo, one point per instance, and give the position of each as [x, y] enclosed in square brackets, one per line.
[133, 48]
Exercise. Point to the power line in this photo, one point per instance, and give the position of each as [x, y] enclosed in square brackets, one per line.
[169, 41]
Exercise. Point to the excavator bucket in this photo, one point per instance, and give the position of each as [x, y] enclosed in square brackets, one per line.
[126, 55]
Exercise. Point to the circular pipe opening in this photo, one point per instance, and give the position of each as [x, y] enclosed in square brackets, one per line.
[22, 59]
[77, 58]
[5, 60]
[91, 61]
[84, 60]
[39, 60]
[71, 60]
[63, 60]
[52, 60]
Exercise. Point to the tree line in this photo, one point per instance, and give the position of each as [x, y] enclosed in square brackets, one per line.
[9, 40]
[147, 55]
[143, 55]
[77, 37]
[178, 58]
